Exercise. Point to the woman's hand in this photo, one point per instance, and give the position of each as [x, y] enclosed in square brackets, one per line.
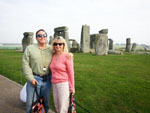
[73, 92]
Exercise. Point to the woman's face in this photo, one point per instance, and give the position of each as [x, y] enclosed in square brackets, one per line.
[59, 46]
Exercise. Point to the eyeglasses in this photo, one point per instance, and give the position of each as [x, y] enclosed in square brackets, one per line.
[60, 44]
[41, 35]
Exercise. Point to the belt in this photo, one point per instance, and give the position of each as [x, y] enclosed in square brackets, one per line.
[44, 77]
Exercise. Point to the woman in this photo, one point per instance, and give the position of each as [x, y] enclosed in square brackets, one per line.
[62, 75]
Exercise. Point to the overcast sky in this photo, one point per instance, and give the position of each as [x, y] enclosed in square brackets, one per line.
[123, 18]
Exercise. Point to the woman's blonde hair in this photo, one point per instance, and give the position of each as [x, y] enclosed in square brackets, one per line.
[60, 38]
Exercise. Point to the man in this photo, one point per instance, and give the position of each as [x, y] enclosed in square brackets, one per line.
[36, 61]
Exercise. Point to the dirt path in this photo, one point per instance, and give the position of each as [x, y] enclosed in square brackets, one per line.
[10, 97]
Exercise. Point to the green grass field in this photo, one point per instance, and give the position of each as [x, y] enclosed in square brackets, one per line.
[104, 84]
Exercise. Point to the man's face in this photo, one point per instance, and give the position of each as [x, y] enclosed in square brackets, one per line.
[41, 37]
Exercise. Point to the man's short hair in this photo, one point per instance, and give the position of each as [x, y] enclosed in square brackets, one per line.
[39, 31]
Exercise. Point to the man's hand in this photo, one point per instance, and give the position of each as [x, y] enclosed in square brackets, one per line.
[34, 81]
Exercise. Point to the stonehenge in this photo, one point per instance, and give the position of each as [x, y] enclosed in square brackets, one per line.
[97, 43]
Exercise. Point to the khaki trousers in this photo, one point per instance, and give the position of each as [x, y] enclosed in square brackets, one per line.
[61, 97]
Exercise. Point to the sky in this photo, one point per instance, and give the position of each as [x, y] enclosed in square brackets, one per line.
[123, 18]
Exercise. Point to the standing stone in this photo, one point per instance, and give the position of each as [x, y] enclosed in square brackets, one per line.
[27, 39]
[62, 31]
[50, 40]
[101, 44]
[103, 31]
[111, 44]
[85, 39]
[92, 41]
[115, 52]
[133, 47]
[78, 47]
[128, 45]
[74, 44]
